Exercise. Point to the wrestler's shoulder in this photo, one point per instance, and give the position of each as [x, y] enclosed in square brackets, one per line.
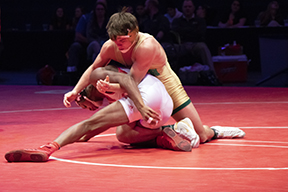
[109, 44]
[149, 43]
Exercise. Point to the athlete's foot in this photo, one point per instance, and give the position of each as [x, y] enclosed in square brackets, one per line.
[228, 132]
[186, 130]
[171, 140]
[40, 154]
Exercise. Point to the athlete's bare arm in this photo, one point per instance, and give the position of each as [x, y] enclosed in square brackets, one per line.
[103, 58]
[128, 84]
[145, 55]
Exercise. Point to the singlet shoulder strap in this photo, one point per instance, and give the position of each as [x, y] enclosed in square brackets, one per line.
[143, 36]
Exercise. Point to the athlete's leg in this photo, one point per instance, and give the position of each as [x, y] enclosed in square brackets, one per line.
[96, 124]
[135, 133]
[205, 133]
[99, 122]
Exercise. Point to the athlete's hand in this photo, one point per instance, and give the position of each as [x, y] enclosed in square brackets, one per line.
[103, 85]
[150, 115]
[69, 97]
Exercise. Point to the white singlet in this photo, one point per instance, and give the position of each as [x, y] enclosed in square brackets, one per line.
[155, 96]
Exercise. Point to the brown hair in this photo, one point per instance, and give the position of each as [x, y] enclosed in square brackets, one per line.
[120, 22]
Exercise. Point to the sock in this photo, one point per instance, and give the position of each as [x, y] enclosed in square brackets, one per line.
[215, 134]
[56, 145]
[170, 126]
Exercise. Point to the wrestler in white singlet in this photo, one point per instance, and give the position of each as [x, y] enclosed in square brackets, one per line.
[155, 96]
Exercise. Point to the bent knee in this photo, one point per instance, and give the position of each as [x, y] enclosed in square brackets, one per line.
[121, 135]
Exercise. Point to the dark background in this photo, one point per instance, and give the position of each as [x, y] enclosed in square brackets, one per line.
[16, 13]
[35, 49]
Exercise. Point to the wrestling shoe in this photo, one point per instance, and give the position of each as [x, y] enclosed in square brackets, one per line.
[40, 154]
[171, 140]
[186, 130]
[227, 132]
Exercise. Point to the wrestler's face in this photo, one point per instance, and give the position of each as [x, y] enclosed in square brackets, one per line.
[125, 42]
[89, 104]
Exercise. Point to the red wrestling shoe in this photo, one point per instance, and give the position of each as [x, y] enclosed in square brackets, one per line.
[171, 140]
[40, 154]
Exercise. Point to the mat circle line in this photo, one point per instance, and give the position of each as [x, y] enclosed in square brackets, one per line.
[169, 168]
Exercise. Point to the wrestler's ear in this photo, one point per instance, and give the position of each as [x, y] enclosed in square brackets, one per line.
[137, 29]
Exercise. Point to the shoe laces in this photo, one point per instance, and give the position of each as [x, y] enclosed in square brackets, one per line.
[45, 147]
[49, 147]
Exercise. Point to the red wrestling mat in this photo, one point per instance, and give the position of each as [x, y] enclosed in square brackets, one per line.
[34, 115]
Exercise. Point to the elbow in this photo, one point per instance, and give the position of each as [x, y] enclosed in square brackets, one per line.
[96, 74]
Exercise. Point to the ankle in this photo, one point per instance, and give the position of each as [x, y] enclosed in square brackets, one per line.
[56, 145]
[50, 148]
[215, 134]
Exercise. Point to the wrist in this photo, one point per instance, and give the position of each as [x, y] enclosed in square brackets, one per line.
[139, 106]
[74, 92]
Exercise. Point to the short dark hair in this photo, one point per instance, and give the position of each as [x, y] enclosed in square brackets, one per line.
[120, 22]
